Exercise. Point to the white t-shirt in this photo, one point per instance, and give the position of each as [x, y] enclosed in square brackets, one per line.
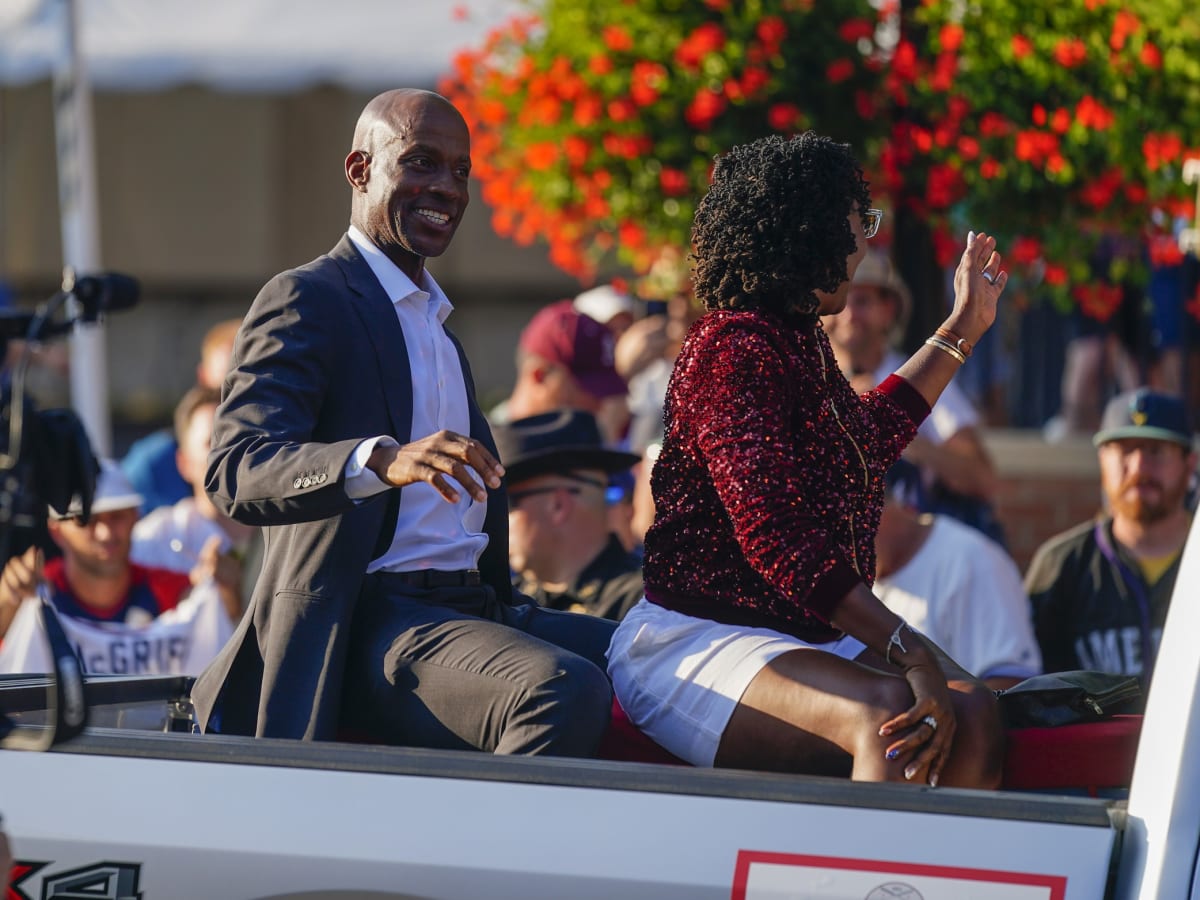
[952, 412]
[181, 641]
[171, 537]
[964, 592]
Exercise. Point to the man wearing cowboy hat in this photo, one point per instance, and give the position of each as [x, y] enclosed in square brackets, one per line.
[559, 544]
[1100, 591]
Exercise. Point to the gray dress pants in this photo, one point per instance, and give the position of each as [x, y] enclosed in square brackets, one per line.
[454, 668]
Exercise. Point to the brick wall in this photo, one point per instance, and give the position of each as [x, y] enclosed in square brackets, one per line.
[1044, 488]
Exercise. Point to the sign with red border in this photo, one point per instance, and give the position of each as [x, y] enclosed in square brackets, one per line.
[758, 875]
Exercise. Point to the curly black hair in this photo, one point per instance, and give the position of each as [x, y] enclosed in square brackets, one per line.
[773, 227]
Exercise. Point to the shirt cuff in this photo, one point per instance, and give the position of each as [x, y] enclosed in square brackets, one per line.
[360, 481]
[835, 584]
[907, 397]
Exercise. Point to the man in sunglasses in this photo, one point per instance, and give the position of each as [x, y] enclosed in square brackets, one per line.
[561, 549]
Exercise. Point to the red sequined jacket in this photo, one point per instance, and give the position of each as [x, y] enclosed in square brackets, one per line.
[769, 485]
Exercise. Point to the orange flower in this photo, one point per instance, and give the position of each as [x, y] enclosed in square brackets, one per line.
[576, 150]
[541, 156]
[588, 111]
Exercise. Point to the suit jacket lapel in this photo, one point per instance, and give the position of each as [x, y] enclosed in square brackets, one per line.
[378, 315]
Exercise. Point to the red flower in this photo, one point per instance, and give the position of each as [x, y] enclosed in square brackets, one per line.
[1061, 121]
[1125, 23]
[1091, 114]
[1039, 115]
[704, 108]
[839, 70]
[645, 81]
[588, 110]
[771, 30]
[989, 168]
[993, 125]
[459, 12]
[621, 110]
[1070, 52]
[943, 186]
[616, 38]
[1150, 56]
[1025, 251]
[968, 147]
[754, 79]
[904, 61]
[706, 38]
[951, 37]
[1055, 275]
[600, 65]
[576, 150]
[783, 116]
[1021, 46]
[854, 30]
[674, 183]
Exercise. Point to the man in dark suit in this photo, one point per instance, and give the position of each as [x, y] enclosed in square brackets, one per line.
[349, 429]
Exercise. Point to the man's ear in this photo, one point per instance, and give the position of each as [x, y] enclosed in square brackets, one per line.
[55, 531]
[358, 169]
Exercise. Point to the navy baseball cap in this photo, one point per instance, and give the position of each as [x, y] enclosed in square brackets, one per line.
[1145, 414]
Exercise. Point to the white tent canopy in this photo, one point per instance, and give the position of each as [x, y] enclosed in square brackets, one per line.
[247, 45]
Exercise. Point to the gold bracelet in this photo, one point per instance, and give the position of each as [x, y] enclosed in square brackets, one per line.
[946, 347]
[962, 345]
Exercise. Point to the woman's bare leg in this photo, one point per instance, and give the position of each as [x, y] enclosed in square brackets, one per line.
[812, 712]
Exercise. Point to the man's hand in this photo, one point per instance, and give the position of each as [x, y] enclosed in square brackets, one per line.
[432, 459]
[225, 569]
[18, 580]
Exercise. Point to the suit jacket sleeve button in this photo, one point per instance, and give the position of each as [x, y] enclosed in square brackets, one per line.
[296, 484]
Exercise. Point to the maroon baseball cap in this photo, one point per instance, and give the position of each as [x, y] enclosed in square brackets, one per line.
[561, 334]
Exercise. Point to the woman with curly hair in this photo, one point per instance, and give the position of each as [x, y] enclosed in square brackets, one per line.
[759, 644]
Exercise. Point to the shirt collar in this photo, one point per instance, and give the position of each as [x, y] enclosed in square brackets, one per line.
[395, 283]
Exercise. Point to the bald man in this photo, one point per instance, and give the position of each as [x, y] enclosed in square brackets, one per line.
[350, 431]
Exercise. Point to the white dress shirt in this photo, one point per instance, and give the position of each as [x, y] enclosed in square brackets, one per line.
[430, 532]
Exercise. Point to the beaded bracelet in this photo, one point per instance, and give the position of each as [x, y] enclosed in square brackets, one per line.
[962, 345]
[946, 347]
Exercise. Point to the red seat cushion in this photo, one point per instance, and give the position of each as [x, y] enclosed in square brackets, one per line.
[1092, 756]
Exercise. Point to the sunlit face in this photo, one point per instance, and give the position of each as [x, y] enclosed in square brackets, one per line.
[192, 458]
[1144, 480]
[101, 547]
[833, 302]
[416, 182]
[865, 322]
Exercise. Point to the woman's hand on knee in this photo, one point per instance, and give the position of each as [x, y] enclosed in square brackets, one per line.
[926, 728]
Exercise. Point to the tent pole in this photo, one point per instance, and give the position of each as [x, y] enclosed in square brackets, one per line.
[75, 147]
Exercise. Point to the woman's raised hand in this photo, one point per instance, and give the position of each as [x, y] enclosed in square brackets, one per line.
[978, 282]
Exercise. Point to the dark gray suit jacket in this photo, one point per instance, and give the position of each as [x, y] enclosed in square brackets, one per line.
[319, 365]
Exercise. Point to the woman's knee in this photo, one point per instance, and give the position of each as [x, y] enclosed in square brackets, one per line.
[978, 753]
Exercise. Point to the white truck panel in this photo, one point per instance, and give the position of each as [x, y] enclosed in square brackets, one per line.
[218, 829]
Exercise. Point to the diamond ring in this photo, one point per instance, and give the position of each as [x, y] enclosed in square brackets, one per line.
[931, 722]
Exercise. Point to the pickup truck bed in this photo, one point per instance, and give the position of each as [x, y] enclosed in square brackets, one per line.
[183, 815]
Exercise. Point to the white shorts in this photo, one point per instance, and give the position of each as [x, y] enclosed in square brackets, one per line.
[679, 678]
